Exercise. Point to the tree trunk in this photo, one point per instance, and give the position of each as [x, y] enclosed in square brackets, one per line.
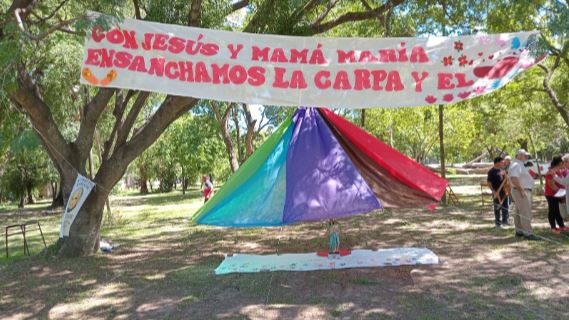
[523, 144]
[250, 132]
[536, 160]
[224, 131]
[183, 182]
[84, 232]
[233, 162]
[83, 236]
[53, 185]
[109, 211]
[442, 147]
[29, 191]
[22, 202]
[143, 184]
[238, 135]
[57, 201]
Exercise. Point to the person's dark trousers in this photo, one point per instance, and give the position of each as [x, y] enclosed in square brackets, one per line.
[554, 214]
[505, 211]
[501, 208]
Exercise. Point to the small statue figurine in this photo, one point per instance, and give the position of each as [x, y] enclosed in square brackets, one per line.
[334, 233]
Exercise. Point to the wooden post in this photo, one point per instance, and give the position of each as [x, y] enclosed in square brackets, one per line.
[442, 148]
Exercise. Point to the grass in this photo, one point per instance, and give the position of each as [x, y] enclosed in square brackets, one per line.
[163, 267]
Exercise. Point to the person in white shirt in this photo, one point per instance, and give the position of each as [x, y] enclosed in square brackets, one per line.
[522, 183]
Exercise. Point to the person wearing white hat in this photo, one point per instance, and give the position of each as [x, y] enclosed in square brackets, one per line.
[522, 183]
[507, 163]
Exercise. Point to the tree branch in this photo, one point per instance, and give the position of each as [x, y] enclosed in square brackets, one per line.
[235, 115]
[44, 19]
[331, 4]
[298, 13]
[448, 15]
[42, 36]
[124, 129]
[136, 9]
[53, 155]
[255, 22]
[317, 27]
[40, 116]
[120, 106]
[171, 109]
[91, 114]
[561, 108]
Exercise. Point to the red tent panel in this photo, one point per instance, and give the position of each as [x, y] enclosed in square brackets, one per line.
[393, 165]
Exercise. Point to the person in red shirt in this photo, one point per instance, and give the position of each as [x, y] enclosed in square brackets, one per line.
[551, 188]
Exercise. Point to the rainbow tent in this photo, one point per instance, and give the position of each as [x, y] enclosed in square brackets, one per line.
[317, 165]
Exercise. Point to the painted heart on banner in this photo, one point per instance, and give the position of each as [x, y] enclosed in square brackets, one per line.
[479, 90]
[448, 97]
[431, 99]
[464, 95]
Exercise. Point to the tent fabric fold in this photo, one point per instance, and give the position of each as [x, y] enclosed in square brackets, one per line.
[392, 192]
[398, 165]
[322, 182]
[318, 166]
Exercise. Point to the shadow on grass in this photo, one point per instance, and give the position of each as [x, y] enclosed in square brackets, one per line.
[164, 267]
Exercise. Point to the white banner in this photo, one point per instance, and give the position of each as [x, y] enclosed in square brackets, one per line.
[81, 190]
[303, 71]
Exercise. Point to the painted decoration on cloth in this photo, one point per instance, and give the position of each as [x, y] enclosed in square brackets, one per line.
[251, 263]
[79, 193]
[307, 71]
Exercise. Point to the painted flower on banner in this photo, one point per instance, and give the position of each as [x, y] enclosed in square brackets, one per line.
[458, 46]
[462, 60]
[447, 61]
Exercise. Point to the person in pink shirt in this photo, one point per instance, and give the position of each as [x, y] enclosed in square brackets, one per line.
[551, 187]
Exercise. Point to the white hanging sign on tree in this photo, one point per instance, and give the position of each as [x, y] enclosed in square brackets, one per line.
[81, 190]
[307, 71]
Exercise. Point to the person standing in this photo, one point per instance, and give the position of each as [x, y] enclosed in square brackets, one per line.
[551, 188]
[496, 181]
[562, 177]
[522, 183]
[207, 188]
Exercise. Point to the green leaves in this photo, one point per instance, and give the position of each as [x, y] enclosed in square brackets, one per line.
[189, 148]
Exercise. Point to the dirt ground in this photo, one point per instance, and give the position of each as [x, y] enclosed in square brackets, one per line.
[163, 269]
